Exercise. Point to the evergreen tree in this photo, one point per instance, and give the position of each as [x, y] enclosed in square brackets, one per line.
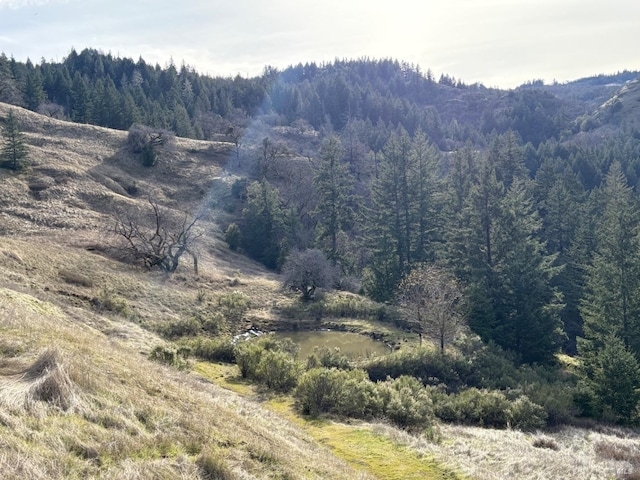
[423, 190]
[34, 92]
[506, 267]
[528, 304]
[612, 378]
[14, 150]
[265, 233]
[389, 218]
[334, 185]
[81, 100]
[612, 301]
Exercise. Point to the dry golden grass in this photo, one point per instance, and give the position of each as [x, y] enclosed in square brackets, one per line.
[570, 453]
[93, 408]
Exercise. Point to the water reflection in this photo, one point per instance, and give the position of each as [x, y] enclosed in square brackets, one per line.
[351, 345]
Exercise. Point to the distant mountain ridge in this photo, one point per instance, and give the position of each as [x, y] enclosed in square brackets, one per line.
[97, 88]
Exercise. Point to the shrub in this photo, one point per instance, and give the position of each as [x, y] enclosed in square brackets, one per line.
[107, 300]
[256, 361]
[359, 397]
[474, 407]
[277, 370]
[427, 364]
[525, 415]
[146, 140]
[403, 401]
[408, 403]
[233, 305]
[233, 237]
[247, 357]
[328, 357]
[171, 356]
[219, 349]
[557, 400]
[317, 391]
[185, 327]
[213, 323]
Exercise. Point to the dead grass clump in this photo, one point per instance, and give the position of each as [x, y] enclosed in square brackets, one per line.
[75, 278]
[213, 467]
[621, 452]
[546, 442]
[45, 381]
[10, 348]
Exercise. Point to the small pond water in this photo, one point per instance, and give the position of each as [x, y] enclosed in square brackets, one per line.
[352, 345]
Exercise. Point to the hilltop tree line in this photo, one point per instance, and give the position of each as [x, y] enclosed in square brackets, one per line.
[98, 88]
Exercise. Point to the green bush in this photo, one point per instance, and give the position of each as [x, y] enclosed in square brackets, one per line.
[185, 327]
[268, 361]
[359, 397]
[319, 391]
[175, 357]
[473, 407]
[247, 355]
[233, 306]
[407, 403]
[427, 364]
[525, 415]
[220, 349]
[557, 399]
[328, 357]
[403, 401]
[108, 300]
[278, 370]
[233, 237]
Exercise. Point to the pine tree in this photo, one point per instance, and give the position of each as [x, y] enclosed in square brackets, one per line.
[264, 228]
[334, 185]
[613, 377]
[423, 189]
[34, 93]
[14, 150]
[612, 302]
[505, 265]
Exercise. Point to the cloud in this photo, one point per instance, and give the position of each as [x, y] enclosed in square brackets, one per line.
[497, 42]
[18, 4]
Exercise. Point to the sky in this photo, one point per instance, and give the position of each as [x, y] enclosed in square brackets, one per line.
[500, 43]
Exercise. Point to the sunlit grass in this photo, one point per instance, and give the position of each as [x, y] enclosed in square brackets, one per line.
[225, 375]
[366, 450]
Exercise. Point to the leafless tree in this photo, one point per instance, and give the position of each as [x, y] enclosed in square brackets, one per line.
[155, 239]
[307, 270]
[430, 299]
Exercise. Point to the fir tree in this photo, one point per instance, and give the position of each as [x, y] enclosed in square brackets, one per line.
[14, 150]
[612, 302]
[334, 184]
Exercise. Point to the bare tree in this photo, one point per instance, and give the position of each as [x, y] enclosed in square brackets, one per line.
[156, 240]
[430, 298]
[307, 270]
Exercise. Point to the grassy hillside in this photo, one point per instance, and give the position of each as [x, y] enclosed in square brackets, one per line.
[79, 397]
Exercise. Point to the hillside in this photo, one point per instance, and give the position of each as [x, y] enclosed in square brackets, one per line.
[79, 397]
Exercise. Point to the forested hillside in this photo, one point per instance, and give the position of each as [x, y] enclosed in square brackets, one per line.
[529, 196]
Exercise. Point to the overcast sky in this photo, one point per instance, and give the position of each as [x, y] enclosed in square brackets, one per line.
[499, 43]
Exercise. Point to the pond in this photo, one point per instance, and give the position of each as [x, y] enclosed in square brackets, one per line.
[352, 345]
